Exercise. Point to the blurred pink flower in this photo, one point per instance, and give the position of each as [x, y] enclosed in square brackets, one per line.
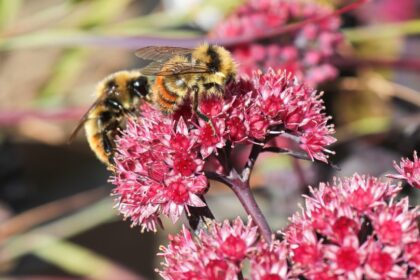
[409, 170]
[388, 11]
[305, 53]
[353, 229]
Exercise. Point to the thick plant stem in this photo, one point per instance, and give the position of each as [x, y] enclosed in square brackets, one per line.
[247, 199]
[239, 183]
[242, 190]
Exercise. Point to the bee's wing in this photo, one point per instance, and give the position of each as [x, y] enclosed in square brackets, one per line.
[155, 69]
[82, 120]
[160, 56]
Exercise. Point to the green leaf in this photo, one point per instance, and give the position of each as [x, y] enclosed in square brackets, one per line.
[8, 11]
[98, 213]
[383, 31]
[79, 260]
[64, 73]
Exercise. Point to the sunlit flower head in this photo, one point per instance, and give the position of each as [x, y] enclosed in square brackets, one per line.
[331, 238]
[158, 171]
[221, 252]
[161, 159]
[354, 229]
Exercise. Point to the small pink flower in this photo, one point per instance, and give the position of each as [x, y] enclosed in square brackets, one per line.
[233, 240]
[306, 253]
[185, 164]
[211, 107]
[236, 129]
[383, 262]
[314, 142]
[380, 262]
[269, 262]
[395, 224]
[409, 170]
[344, 227]
[364, 192]
[258, 125]
[381, 265]
[347, 258]
[234, 248]
[413, 254]
[211, 136]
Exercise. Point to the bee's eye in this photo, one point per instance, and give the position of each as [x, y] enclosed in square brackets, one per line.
[139, 87]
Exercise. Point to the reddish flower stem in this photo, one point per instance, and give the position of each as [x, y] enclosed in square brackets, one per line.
[243, 191]
[239, 183]
[246, 171]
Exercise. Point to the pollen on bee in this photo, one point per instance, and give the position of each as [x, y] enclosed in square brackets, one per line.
[179, 82]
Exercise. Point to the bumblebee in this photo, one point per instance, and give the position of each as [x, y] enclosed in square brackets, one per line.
[183, 74]
[118, 96]
[172, 76]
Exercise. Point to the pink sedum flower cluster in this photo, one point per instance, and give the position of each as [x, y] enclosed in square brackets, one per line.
[305, 52]
[221, 253]
[351, 229]
[354, 229]
[161, 159]
[157, 170]
[409, 170]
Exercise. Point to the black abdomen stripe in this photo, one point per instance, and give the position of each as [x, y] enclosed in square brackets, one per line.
[214, 63]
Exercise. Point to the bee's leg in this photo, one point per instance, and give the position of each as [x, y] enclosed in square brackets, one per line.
[109, 150]
[108, 147]
[199, 114]
[105, 127]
